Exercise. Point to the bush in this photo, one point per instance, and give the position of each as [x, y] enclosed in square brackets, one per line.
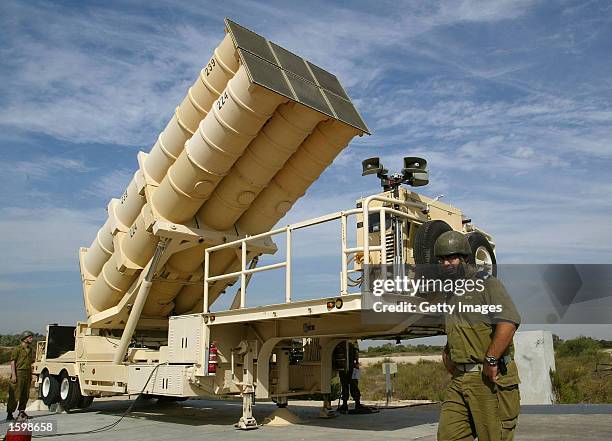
[5, 355]
[577, 378]
[425, 380]
[390, 348]
[4, 385]
[578, 347]
[13, 339]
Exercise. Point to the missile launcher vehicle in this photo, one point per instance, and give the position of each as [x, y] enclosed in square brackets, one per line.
[255, 130]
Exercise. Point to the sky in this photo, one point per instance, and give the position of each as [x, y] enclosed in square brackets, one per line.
[509, 101]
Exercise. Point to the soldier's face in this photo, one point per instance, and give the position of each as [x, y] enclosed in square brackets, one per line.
[27, 340]
[450, 264]
[452, 261]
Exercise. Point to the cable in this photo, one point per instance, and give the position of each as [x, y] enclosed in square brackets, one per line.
[111, 342]
[111, 425]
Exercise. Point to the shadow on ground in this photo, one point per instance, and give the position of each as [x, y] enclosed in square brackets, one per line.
[227, 412]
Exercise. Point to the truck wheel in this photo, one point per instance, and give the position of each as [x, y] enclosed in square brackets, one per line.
[482, 253]
[49, 389]
[85, 402]
[425, 239]
[70, 393]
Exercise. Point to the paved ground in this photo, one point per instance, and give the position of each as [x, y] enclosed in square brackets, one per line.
[368, 361]
[205, 419]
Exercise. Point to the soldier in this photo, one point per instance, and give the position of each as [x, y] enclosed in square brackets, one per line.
[347, 361]
[482, 399]
[21, 377]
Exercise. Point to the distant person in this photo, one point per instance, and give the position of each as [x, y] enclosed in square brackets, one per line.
[21, 377]
[347, 363]
[482, 399]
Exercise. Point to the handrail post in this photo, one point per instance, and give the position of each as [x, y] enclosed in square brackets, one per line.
[206, 283]
[366, 229]
[344, 257]
[383, 237]
[243, 274]
[288, 268]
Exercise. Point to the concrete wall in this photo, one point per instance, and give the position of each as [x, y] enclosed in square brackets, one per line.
[535, 357]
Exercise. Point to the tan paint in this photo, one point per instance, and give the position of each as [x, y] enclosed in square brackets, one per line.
[196, 104]
[234, 158]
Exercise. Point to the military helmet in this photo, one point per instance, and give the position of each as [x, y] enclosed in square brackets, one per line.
[25, 335]
[452, 242]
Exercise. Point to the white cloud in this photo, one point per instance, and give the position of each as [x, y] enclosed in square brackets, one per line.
[96, 75]
[42, 168]
[45, 239]
[110, 185]
[526, 156]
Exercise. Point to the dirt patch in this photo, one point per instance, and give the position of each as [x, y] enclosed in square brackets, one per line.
[407, 359]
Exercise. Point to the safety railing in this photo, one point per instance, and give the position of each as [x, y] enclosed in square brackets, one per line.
[288, 230]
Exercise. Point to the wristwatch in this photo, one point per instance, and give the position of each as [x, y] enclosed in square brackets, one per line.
[491, 361]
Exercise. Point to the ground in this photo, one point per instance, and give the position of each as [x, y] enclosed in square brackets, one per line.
[205, 419]
[369, 361]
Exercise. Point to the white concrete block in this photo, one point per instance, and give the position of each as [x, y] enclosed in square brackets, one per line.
[535, 358]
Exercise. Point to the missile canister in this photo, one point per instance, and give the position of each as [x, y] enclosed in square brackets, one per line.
[255, 130]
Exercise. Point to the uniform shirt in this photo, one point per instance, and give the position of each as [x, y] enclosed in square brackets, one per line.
[470, 333]
[22, 356]
[340, 356]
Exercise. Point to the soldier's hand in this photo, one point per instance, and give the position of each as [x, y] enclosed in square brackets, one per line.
[448, 363]
[13, 379]
[490, 372]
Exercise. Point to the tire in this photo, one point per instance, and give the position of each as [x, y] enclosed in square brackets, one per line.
[482, 255]
[70, 392]
[49, 389]
[85, 402]
[425, 239]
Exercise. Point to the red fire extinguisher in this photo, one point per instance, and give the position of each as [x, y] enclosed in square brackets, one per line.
[19, 431]
[212, 358]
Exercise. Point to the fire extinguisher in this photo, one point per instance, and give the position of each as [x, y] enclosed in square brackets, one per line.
[18, 432]
[212, 358]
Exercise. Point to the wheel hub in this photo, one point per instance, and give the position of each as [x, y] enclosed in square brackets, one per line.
[46, 386]
[64, 388]
[483, 259]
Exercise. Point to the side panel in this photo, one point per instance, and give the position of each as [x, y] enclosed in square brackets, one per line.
[184, 339]
[172, 380]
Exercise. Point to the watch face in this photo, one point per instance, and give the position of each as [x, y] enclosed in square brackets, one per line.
[492, 361]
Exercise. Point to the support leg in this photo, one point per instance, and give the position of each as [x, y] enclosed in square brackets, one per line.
[327, 411]
[247, 421]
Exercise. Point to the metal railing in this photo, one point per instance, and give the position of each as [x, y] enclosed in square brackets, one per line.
[366, 248]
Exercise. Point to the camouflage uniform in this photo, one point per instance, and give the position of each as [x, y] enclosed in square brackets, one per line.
[19, 392]
[345, 371]
[473, 406]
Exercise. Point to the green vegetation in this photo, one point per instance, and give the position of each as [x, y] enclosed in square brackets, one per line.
[581, 346]
[13, 339]
[583, 375]
[584, 371]
[391, 349]
[425, 380]
[5, 355]
[9, 341]
[4, 386]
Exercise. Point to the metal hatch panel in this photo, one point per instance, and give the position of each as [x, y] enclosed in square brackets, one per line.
[274, 67]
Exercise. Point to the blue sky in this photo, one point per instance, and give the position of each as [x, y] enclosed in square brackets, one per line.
[509, 101]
